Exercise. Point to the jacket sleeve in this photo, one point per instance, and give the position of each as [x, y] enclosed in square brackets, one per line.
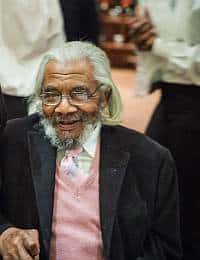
[80, 20]
[4, 223]
[164, 242]
[3, 113]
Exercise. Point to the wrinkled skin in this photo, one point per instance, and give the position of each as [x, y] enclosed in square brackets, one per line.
[19, 244]
[69, 120]
[142, 31]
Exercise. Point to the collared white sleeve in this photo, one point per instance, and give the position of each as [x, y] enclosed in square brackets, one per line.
[28, 30]
[175, 56]
[179, 56]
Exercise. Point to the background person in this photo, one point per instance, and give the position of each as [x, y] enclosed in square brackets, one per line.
[3, 114]
[28, 29]
[81, 20]
[168, 40]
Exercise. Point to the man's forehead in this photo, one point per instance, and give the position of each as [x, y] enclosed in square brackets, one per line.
[75, 67]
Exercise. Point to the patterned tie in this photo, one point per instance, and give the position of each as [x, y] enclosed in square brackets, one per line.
[69, 165]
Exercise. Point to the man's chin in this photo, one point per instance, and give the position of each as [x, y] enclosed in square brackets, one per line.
[64, 134]
[62, 139]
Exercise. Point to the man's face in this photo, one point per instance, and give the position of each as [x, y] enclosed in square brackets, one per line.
[69, 117]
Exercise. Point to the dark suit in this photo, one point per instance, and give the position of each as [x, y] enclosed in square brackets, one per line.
[138, 191]
[80, 20]
[3, 116]
[3, 113]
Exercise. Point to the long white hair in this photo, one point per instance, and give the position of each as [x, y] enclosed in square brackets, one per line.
[78, 50]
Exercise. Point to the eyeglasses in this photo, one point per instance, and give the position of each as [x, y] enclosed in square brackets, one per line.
[77, 96]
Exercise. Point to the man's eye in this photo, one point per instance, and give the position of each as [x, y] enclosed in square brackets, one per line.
[80, 93]
[80, 89]
[51, 96]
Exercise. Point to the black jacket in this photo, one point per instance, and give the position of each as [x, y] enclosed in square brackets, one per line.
[138, 191]
[2, 112]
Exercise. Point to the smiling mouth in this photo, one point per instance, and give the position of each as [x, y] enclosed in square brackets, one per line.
[68, 125]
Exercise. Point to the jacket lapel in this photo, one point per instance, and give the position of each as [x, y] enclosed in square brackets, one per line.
[113, 163]
[43, 166]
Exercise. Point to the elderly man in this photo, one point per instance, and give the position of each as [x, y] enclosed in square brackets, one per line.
[74, 184]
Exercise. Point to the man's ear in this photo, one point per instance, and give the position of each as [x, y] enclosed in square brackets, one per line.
[105, 98]
[108, 95]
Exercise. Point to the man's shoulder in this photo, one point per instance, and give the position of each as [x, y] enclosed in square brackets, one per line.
[134, 142]
[146, 156]
[18, 127]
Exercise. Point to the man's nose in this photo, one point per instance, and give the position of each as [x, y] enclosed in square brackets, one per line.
[65, 107]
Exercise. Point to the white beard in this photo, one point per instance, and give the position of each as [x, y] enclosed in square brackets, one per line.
[67, 143]
[35, 106]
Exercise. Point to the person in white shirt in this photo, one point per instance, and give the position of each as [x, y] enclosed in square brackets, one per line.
[28, 29]
[167, 36]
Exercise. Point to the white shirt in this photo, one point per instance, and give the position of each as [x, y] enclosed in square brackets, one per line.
[175, 56]
[87, 155]
[28, 29]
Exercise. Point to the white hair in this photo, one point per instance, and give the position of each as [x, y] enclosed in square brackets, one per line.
[78, 50]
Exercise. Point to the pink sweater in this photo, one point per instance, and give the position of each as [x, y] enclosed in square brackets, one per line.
[76, 232]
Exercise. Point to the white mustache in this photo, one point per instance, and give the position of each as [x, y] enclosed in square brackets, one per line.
[67, 119]
[70, 118]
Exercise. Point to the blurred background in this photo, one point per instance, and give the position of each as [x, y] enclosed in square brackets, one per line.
[114, 17]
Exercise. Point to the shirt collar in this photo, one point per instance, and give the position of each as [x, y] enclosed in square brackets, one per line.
[89, 145]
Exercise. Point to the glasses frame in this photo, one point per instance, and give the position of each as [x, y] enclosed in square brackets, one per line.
[69, 97]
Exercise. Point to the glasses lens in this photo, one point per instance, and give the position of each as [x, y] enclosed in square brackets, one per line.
[79, 97]
[50, 98]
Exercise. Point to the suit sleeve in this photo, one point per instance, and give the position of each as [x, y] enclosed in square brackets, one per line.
[4, 223]
[164, 241]
[3, 113]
